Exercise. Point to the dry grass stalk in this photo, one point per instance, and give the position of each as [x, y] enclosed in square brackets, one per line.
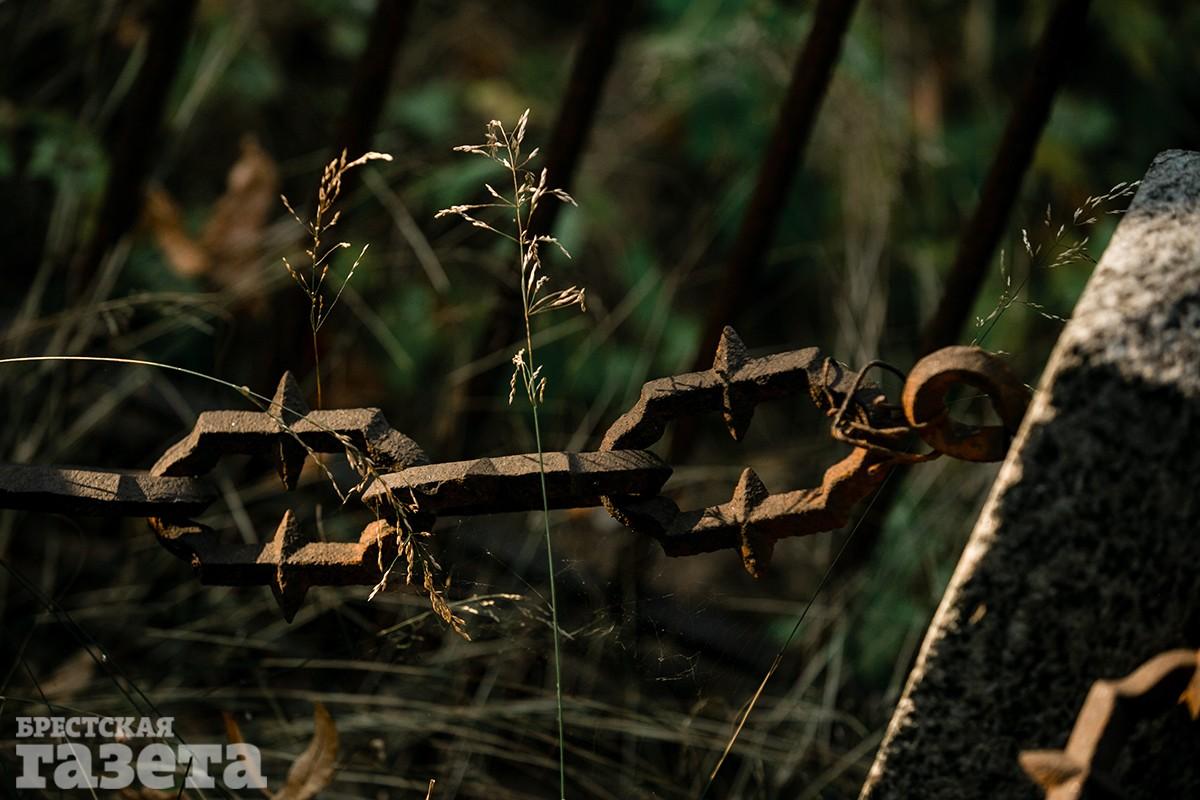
[312, 280]
[529, 189]
[1055, 250]
[420, 568]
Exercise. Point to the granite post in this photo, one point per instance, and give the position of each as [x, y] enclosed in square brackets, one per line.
[1085, 561]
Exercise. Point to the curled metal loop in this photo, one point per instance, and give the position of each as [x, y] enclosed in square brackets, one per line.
[931, 380]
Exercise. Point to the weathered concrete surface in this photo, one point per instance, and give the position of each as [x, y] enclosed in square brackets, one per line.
[1086, 559]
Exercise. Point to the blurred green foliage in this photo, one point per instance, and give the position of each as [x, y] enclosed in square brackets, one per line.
[904, 138]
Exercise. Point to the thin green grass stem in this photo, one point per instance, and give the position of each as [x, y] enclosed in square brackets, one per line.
[558, 697]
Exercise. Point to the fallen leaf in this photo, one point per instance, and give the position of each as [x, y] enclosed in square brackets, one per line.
[231, 240]
[313, 770]
[232, 236]
[234, 734]
[165, 221]
[232, 731]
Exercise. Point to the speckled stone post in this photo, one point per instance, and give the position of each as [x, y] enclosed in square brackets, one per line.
[1086, 559]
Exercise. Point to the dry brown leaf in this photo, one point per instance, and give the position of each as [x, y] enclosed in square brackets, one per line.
[233, 234]
[165, 221]
[232, 731]
[72, 676]
[315, 767]
[231, 241]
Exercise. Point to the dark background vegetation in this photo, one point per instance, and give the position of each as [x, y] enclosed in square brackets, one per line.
[660, 654]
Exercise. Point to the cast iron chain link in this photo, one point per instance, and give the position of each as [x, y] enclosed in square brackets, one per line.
[623, 475]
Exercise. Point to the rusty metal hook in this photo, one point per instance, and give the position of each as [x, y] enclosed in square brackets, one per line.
[924, 400]
[877, 440]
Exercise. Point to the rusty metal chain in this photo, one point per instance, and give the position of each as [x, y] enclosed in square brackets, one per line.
[1108, 716]
[403, 488]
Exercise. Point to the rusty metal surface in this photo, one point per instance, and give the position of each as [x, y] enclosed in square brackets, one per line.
[734, 386]
[513, 483]
[287, 431]
[1111, 710]
[406, 493]
[100, 492]
[930, 382]
[753, 519]
[289, 563]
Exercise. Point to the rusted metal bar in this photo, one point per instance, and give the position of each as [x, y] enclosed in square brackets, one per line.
[513, 483]
[290, 563]
[734, 385]
[99, 492]
[286, 431]
[373, 76]
[1082, 771]
[1030, 111]
[135, 131]
[753, 519]
[785, 149]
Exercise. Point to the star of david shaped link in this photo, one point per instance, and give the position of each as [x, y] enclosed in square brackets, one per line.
[623, 475]
[287, 431]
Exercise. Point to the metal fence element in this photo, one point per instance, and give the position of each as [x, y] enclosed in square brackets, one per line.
[1112, 709]
[407, 493]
